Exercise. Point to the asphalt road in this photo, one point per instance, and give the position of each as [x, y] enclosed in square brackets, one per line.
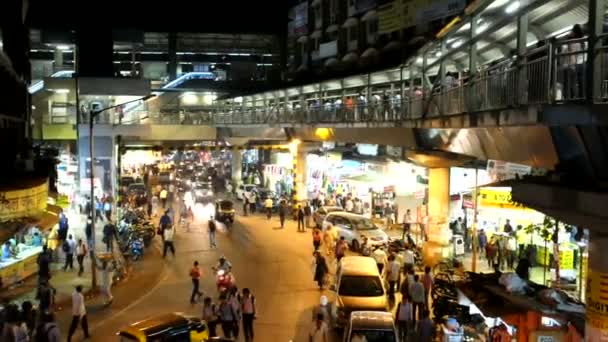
[275, 264]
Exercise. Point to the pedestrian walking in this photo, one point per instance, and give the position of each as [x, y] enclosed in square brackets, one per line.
[69, 247]
[268, 207]
[320, 269]
[88, 232]
[108, 235]
[483, 242]
[81, 252]
[341, 247]
[107, 208]
[210, 316]
[48, 330]
[404, 318]
[511, 250]
[252, 201]
[211, 227]
[307, 213]
[316, 239]
[98, 210]
[44, 261]
[45, 296]
[163, 197]
[234, 299]
[245, 204]
[319, 331]
[300, 216]
[380, 257]
[427, 282]
[107, 270]
[425, 329]
[248, 310]
[228, 317]
[195, 275]
[63, 226]
[329, 238]
[79, 314]
[168, 235]
[282, 212]
[392, 275]
[416, 291]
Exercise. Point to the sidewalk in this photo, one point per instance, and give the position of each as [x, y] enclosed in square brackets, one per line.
[142, 277]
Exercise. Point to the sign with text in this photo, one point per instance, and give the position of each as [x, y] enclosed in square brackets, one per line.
[499, 170]
[24, 202]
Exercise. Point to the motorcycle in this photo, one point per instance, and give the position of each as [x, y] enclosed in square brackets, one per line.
[137, 248]
[224, 280]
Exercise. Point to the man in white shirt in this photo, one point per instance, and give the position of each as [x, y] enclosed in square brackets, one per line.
[511, 251]
[268, 207]
[70, 249]
[408, 259]
[379, 256]
[168, 235]
[392, 274]
[163, 197]
[319, 331]
[79, 314]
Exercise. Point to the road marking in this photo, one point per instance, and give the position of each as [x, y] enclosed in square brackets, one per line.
[164, 277]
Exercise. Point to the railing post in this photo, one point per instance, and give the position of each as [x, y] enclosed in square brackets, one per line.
[470, 91]
[522, 43]
[594, 72]
[400, 106]
[368, 97]
[412, 83]
[443, 93]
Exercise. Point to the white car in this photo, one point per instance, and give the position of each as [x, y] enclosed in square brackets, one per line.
[353, 227]
[244, 190]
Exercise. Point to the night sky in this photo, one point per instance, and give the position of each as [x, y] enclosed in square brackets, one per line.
[211, 16]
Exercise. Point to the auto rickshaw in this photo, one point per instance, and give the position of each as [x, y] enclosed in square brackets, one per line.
[224, 211]
[167, 327]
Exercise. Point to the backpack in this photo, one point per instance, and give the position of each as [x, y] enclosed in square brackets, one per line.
[65, 247]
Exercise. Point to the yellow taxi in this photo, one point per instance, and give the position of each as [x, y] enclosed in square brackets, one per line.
[167, 327]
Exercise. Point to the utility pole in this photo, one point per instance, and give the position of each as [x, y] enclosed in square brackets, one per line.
[474, 243]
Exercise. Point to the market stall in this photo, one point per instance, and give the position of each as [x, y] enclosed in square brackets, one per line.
[27, 223]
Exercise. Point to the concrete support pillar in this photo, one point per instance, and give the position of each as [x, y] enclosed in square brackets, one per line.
[596, 329]
[237, 167]
[594, 76]
[522, 46]
[58, 60]
[438, 207]
[300, 168]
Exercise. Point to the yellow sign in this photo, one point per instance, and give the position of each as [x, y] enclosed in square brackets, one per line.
[23, 203]
[397, 15]
[597, 293]
[489, 196]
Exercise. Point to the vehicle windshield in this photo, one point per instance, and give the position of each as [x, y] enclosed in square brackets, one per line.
[226, 205]
[137, 188]
[360, 286]
[373, 336]
[363, 224]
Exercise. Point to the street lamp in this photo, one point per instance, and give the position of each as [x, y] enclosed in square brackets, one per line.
[92, 115]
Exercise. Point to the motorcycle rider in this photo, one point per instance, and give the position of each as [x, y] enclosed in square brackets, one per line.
[223, 264]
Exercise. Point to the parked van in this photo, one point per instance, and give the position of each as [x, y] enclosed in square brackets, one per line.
[358, 287]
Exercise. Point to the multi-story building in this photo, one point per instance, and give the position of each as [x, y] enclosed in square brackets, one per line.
[330, 37]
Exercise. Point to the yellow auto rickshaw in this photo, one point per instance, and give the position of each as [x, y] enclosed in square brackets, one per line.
[167, 327]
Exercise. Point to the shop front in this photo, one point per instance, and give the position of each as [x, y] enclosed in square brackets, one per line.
[278, 175]
[27, 223]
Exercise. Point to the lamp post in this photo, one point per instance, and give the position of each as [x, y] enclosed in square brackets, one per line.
[92, 115]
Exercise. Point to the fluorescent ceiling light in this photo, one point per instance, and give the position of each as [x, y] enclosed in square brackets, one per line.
[512, 7]
[62, 91]
[438, 54]
[63, 47]
[457, 44]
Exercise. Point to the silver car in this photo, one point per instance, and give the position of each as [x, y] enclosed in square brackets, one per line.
[319, 215]
[354, 227]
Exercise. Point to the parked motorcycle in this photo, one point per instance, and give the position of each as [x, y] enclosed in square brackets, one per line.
[137, 249]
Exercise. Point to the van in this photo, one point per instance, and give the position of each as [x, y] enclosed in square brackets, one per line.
[370, 326]
[358, 287]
